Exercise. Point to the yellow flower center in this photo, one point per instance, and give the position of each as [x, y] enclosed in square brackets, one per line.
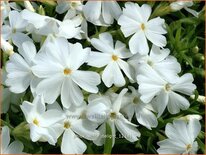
[67, 71]
[188, 147]
[167, 87]
[113, 115]
[142, 26]
[149, 62]
[67, 125]
[73, 4]
[36, 122]
[136, 100]
[114, 57]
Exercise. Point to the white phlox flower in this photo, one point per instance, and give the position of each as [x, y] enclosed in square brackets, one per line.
[109, 112]
[75, 126]
[163, 92]
[14, 31]
[179, 4]
[39, 25]
[102, 13]
[181, 137]
[58, 65]
[75, 14]
[112, 56]
[159, 60]
[41, 120]
[20, 75]
[132, 105]
[137, 22]
[16, 147]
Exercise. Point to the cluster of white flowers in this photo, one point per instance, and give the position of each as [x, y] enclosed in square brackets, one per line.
[64, 77]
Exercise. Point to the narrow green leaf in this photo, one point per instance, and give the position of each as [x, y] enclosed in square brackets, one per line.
[108, 140]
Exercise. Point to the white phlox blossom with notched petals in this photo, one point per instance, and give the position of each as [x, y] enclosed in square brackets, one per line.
[132, 105]
[20, 75]
[58, 65]
[75, 13]
[137, 22]
[163, 92]
[74, 126]
[102, 13]
[112, 57]
[159, 60]
[181, 137]
[16, 147]
[39, 24]
[180, 4]
[108, 110]
[41, 120]
[14, 30]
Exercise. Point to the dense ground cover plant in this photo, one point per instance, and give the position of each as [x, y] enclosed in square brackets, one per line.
[102, 77]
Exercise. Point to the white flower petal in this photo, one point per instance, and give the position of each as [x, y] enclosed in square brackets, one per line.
[96, 10]
[102, 132]
[50, 88]
[15, 147]
[71, 144]
[118, 101]
[5, 138]
[87, 80]
[106, 14]
[77, 55]
[128, 131]
[71, 94]
[128, 70]
[146, 12]
[177, 102]
[86, 129]
[104, 43]
[146, 118]
[184, 84]
[160, 102]
[98, 59]
[156, 25]
[28, 51]
[157, 39]
[135, 46]
[19, 38]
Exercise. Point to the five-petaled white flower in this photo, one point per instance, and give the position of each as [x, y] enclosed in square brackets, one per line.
[181, 137]
[15, 147]
[20, 75]
[108, 110]
[58, 65]
[137, 22]
[163, 91]
[39, 24]
[73, 126]
[179, 4]
[41, 121]
[111, 57]
[14, 30]
[132, 104]
[159, 60]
